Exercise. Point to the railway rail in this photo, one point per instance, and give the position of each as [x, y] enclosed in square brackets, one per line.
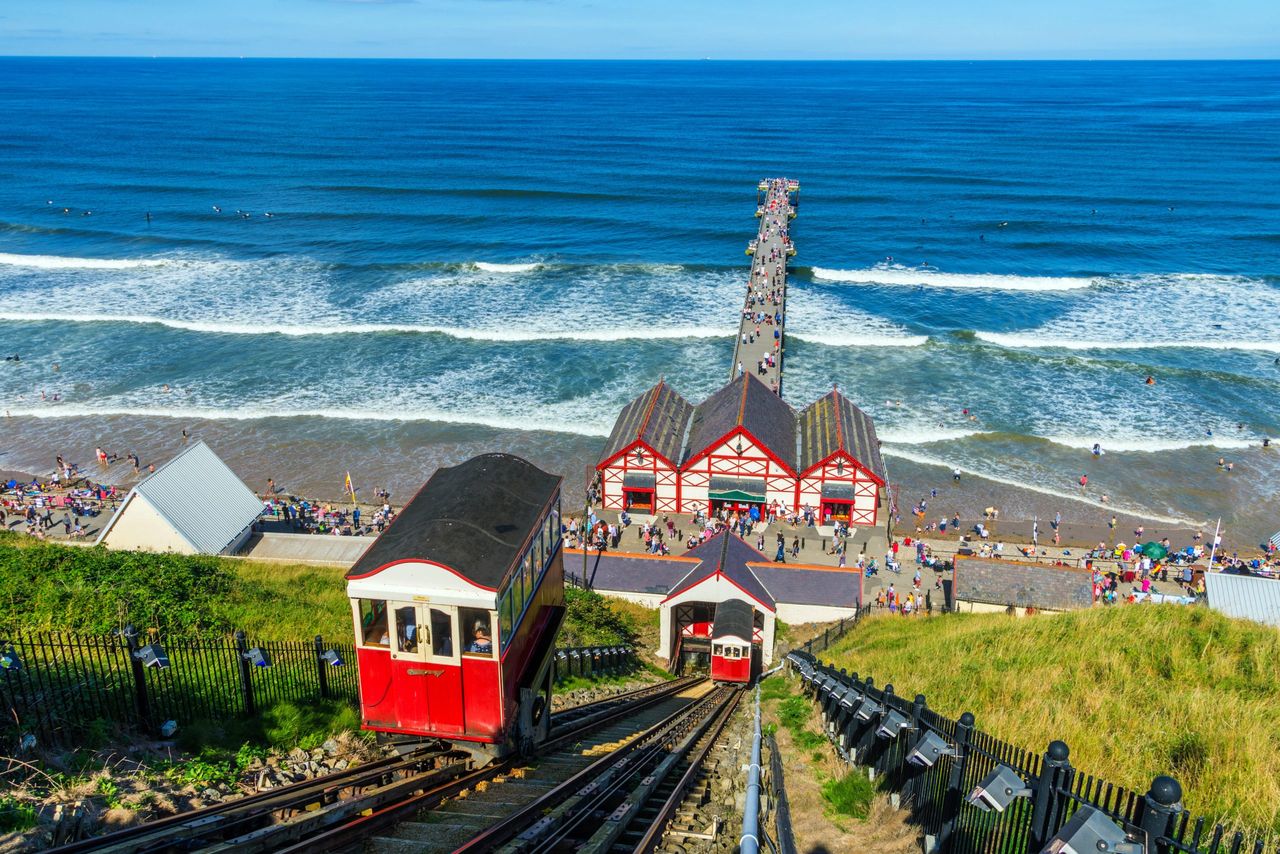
[340, 808]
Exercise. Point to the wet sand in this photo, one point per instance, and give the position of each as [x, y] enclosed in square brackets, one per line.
[310, 457]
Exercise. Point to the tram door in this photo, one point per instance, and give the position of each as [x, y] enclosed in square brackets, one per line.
[426, 671]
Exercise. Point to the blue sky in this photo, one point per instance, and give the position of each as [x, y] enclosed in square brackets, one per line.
[655, 29]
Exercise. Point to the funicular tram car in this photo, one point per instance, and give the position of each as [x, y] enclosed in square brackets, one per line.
[457, 606]
[733, 658]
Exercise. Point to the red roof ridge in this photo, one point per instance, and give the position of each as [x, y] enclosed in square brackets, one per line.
[653, 402]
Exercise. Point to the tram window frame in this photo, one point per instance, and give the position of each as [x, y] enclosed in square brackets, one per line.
[530, 577]
[717, 649]
[467, 618]
[376, 618]
[434, 653]
[506, 617]
[399, 648]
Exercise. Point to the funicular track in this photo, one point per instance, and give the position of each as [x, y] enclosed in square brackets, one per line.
[341, 808]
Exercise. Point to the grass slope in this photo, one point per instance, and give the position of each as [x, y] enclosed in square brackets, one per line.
[1134, 691]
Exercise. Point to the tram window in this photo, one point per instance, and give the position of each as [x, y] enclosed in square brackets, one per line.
[407, 628]
[530, 576]
[477, 631]
[441, 633]
[373, 622]
[506, 617]
[718, 649]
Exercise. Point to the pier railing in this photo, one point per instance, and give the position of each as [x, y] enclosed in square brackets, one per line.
[58, 688]
[970, 792]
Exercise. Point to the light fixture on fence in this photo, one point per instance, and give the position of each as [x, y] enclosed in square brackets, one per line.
[928, 749]
[168, 728]
[152, 655]
[1090, 830]
[331, 656]
[868, 710]
[9, 661]
[257, 657]
[998, 789]
[893, 725]
[851, 697]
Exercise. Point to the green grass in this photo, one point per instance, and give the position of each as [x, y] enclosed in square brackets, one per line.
[849, 796]
[16, 815]
[1134, 691]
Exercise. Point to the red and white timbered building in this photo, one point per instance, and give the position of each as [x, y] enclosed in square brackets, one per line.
[744, 447]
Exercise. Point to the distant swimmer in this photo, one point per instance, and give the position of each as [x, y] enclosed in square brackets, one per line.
[245, 215]
[1002, 225]
[1151, 380]
[1266, 443]
[87, 213]
[217, 209]
[1170, 207]
[49, 202]
[982, 237]
[1097, 449]
[1093, 212]
[268, 213]
[66, 210]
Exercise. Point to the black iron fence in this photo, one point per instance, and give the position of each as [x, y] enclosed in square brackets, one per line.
[970, 792]
[57, 687]
[824, 639]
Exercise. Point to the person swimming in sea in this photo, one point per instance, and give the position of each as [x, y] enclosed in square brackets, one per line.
[1151, 380]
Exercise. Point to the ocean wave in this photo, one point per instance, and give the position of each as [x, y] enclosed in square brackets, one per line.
[1134, 445]
[567, 424]
[337, 327]
[854, 339]
[57, 262]
[1111, 507]
[1034, 340]
[923, 435]
[490, 267]
[899, 275]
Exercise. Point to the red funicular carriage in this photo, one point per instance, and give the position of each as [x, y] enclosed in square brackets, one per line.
[733, 657]
[456, 608]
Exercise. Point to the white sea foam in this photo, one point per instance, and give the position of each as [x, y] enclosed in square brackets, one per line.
[337, 327]
[566, 424]
[1153, 445]
[855, 339]
[930, 460]
[915, 277]
[56, 262]
[490, 267]
[1047, 340]
[918, 435]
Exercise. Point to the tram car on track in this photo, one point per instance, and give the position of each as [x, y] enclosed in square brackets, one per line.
[456, 609]
[733, 658]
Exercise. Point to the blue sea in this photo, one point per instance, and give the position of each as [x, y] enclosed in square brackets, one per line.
[467, 256]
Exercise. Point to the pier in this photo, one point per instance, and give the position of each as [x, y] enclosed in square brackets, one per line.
[761, 344]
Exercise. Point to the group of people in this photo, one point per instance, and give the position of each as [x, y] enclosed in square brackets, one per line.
[313, 517]
[66, 500]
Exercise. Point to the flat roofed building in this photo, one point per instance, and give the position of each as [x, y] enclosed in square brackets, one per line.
[193, 504]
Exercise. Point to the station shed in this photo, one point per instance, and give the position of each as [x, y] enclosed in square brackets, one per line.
[193, 504]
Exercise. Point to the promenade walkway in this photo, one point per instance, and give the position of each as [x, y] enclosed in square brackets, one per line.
[761, 344]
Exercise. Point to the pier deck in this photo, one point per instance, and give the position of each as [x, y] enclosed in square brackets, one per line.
[764, 311]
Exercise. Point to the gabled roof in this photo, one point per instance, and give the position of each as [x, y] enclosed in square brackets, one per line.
[748, 403]
[200, 497]
[1249, 597]
[796, 586]
[1007, 582]
[833, 423]
[627, 572]
[727, 555]
[659, 418]
[474, 518]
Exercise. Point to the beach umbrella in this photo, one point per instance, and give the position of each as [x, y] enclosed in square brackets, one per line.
[1154, 550]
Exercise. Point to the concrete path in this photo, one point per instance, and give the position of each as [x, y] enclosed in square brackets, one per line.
[767, 290]
[321, 549]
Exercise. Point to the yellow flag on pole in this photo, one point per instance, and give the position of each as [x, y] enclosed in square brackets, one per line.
[350, 490]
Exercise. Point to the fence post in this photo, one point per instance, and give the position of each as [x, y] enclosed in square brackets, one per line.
[140, 699]
[1160, 809]
[954, 796]
[322, 666]
[1044, 795]
[246, 673]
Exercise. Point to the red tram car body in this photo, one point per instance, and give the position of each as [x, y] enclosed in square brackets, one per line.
[733, 654]
[456, 609]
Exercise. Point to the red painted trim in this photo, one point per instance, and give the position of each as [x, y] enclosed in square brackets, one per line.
[604, 464]
[771, 609]
[857, 464]
[429, 563]
[743, 431]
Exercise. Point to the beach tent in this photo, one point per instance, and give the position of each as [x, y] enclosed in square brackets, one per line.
[1275, 539]
[1154, 550]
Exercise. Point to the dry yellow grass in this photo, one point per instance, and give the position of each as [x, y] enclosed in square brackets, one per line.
[1134, 691]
